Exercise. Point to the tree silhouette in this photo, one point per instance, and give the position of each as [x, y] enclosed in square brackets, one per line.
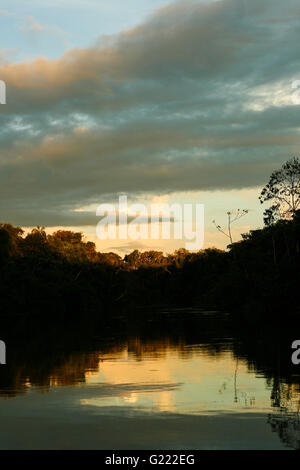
[283, 189]
[232, 216]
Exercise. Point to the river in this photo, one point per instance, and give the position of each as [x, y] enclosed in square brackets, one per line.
[189, 384]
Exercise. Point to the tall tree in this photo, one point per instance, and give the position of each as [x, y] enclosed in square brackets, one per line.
[283, 189]
[232, 216]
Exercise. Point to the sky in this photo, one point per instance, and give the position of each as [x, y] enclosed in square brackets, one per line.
[180, 101]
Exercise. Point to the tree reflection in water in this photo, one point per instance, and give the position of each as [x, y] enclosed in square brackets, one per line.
[286, 422]
[42, 363]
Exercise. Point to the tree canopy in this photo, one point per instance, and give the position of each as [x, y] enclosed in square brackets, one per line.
[283, 190]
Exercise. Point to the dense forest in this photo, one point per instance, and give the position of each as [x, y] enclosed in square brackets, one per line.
[62, 277]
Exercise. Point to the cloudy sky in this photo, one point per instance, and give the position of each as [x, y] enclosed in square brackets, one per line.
[174, 101]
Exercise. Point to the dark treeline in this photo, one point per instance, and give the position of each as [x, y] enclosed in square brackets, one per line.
[62, 277]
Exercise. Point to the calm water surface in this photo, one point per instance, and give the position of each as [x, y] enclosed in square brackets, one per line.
[189, 387]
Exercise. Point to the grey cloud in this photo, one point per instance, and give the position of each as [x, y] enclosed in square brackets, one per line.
[163, 107]
[129, 247]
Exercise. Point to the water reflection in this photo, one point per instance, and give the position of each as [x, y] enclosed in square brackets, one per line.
[186, 380]
[199, 366]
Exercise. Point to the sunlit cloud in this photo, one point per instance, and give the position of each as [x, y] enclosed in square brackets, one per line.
[192, 99]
